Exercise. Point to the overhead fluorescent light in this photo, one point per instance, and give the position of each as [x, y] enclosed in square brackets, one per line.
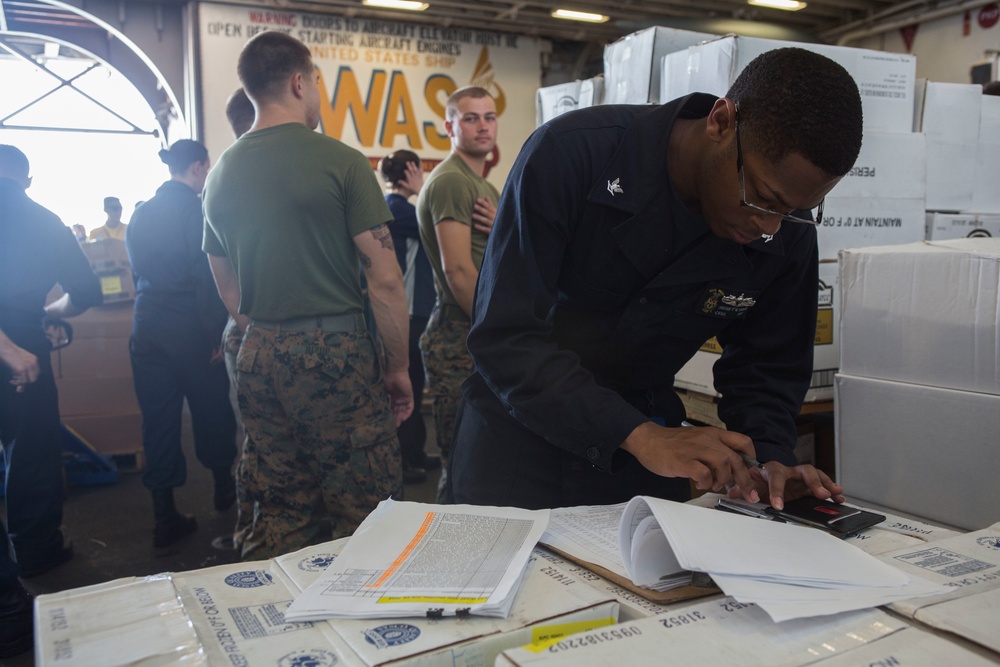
[410, 5]
[787, 5]
[573, 15]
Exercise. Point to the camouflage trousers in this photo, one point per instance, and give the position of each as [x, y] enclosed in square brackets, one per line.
[321, 437]
[232, 338]
[447, 364]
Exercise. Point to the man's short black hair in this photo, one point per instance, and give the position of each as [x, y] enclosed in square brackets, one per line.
[13, 163]
[240, 112]
[268, 60]
[797, 101]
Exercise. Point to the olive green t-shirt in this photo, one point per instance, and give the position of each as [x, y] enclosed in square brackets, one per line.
[283, 204]
[451, 191]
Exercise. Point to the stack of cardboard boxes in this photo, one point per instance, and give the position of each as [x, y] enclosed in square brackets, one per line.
[918, 394]
[94, 373]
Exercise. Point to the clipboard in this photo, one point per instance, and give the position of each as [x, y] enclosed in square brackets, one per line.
[689, 592]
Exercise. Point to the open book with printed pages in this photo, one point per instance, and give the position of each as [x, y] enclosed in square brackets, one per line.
[415, 559]
[790, 571]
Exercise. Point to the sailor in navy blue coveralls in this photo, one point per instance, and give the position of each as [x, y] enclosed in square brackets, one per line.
[597, 286]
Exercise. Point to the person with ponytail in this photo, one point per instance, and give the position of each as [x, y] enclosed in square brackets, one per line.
[175, 349]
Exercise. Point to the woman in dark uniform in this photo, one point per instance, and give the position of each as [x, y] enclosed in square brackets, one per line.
[177, 327]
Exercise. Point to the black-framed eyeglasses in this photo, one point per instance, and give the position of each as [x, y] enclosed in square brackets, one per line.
[817, 212]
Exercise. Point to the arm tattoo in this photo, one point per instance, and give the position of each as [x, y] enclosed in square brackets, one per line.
[366, 261]
[381, 234]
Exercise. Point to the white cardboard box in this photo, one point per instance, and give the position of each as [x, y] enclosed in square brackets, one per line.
[592, 92]
[697, 374]
[986, 194]
[921, 450]
[891, 165]
[553, 101]
[910, 647]
[857, 222]
[885, 80]
[924, 313]
[548, 606]
[951, 119]
[632, 64]
[718, 633]
[945, 226]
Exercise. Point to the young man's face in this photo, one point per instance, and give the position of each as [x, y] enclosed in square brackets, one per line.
[473, 129]
[114, 211]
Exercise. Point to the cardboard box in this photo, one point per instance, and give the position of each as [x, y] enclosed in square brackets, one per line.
[901, 445]
[985, 193]
[697, 374]
[106, 254]
[93, 358]
[94, 395]
[109, 433]
[548, 606]
[950, 121]
[112, 320]
[925, 313]
[909, 646]
[553, 101]
[632, 64]
[592, 92]
[945, 226]
[718, 633]
[891, 165]
[886, 80]
[850, 222]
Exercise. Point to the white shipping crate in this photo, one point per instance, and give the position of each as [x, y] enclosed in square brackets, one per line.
[857, 222]
[632, 64]
[891, 165]
[718, 633]
[885, 80]
[697, 374]
[549, 605]
[553, 101]
[924, 313]
[951, 118]
[985, 193]
[910, 647]
[945, 226]
[591, 92]
[904, 445]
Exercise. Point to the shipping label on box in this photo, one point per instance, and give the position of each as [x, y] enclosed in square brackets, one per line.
[891, 165]
[717, 632]
[130, 621]
[697, 374]
[885, 80]
[862, 222]
[632, 64]
[549, 605]
[238, 613]
[943, 226]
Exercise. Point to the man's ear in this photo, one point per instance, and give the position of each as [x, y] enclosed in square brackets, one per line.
[721, 122]
[296, 85]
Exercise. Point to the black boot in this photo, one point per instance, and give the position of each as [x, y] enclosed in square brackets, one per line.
[171, 525]
[15, 621]
[225, 489]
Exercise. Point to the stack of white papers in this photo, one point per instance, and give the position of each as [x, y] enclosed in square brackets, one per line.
[789, 571]
[415, 559]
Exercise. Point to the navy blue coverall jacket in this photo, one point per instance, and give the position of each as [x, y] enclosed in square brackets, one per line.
[597, 286]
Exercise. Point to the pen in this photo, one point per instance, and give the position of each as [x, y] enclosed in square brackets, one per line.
[751, 461]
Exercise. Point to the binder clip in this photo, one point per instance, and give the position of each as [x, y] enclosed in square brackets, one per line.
[435, 613]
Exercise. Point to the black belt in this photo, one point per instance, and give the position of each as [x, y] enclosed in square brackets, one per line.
[453, 313]
[334, 323]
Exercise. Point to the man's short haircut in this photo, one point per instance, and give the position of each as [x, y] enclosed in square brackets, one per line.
[991, 88]
[393, 166]
[475, 92]
[240, 112]
[112, 202]
[797, 101]
[268, 60]
[13, 163]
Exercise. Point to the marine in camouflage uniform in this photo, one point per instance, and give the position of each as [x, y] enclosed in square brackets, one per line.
[232, 337]
[289, 213]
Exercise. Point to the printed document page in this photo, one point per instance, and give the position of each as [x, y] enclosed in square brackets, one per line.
[416, 559]
[588, 532]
